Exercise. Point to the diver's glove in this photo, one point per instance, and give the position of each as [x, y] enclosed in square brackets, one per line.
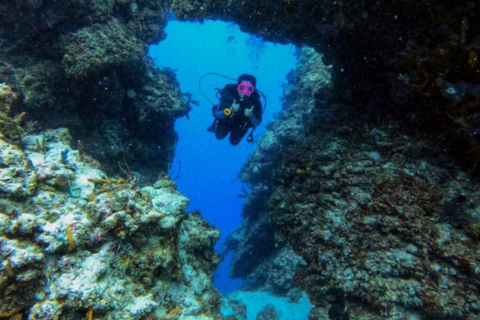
[235, 107]
[248, 112]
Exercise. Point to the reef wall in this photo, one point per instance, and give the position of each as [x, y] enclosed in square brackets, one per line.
[76, 243]
[82, 65]
[86, 119]
[362, 214]
[361, 193]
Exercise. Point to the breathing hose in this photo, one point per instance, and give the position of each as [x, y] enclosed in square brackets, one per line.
[211, 74]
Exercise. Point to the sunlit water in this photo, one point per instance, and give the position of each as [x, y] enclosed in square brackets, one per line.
[206, 168]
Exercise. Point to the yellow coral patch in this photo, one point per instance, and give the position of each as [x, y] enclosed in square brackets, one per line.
[4, 315]
[101, 181]
[9, 269]
[174, 312]
[92, 197]
[71, 241]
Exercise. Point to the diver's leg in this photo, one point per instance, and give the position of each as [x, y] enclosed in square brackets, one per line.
[222, 130]
[237, 134]
[213, 126]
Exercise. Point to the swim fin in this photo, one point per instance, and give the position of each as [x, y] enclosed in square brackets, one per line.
[212, 126]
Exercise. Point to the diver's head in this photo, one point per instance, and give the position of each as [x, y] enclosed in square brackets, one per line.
[246, 85]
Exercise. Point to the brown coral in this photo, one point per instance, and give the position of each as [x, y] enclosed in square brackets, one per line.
[10, 128]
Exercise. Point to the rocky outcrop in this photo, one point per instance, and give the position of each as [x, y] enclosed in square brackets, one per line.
[357, 178]
[83, 65]
[257, 248]
[76, 243]
[384, 226]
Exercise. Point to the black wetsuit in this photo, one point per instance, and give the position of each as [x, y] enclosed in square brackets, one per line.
[237, 124]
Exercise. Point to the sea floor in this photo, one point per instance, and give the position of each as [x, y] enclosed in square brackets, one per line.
[256, 302]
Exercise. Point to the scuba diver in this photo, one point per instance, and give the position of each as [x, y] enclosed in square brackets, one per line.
[239, 109]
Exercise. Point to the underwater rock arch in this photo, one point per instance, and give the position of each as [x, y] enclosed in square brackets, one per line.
[405, 77]
[381, 172]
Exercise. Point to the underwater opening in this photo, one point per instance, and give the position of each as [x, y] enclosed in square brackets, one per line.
[205, 168]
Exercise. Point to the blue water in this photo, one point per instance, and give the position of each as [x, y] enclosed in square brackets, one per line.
[206, 167]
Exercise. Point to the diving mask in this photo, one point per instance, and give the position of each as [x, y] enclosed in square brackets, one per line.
[245, 88]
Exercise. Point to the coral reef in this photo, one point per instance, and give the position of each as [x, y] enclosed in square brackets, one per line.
[100, 47]
[255, 241]
[10, 128]
[268, 313]
[76, 243]
[377, 226]
[383, 226]
[355, 194]
[82, 64]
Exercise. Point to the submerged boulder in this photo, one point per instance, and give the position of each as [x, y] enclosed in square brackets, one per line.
[83, 65]
[383, 225]
[76, 242]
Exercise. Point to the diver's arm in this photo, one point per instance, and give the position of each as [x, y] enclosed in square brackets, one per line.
[226, 112]
[249, 113]
[219, 114]
[226, 101]
[256, 117]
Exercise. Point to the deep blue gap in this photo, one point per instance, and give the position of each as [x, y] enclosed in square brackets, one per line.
[206, 167]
